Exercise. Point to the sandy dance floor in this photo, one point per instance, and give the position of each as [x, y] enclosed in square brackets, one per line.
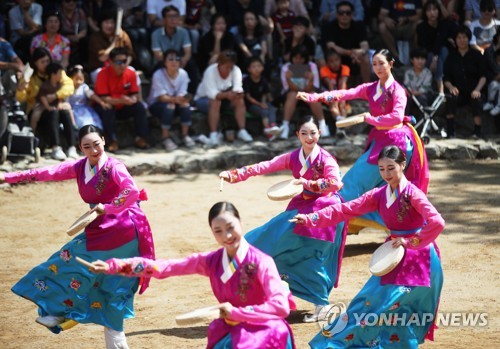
[35, 217]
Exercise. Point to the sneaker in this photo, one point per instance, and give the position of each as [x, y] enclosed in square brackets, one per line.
[272, 131]
[58, 154]
[49, 320]
[488, 106]
[188, 142]
[320, 312]
[169, 144]
[325, 131]
[141, 143]
[72, 153]
[214, 139]
[113, 146]
[495, 111]
[244, 136]
[285, 130]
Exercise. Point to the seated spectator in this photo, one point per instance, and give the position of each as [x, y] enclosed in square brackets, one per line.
[328, 10]
[48, 126]
[464, 77]
[349, 39]
[174, 37]
[251, 40]
[222, 83]
[74, 27]
[218, 39]
[434, 34]
[102, 42]
[306, 79]
[83, 113]
[234, 10]
[169, 95]
[155, 11]
[472, 9]
[418, 81]
[116, 84]
[58, 45]
[197, 20]
[25, 21]
[485, 28]
[493, 103]
[50, 87]
[10, 67]
[334, 76]
[258, 97]
[300, 37]
[283, 20]
[94, 10]
[398, 20]
[296, 6]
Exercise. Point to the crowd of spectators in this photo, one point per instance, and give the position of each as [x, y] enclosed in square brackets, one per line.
[237, 59]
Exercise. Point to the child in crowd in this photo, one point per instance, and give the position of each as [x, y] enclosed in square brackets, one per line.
[300, 75]
[83, 113]
[253, 300]
[418, 80]
[493, 103]
[257, 97]
[50, 86]
[334, 76]
[283, 20]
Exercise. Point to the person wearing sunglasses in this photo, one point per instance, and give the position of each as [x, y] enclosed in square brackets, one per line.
[116, 84]
[349, 38]
[472, 9]
[485, 28]
[329, 10]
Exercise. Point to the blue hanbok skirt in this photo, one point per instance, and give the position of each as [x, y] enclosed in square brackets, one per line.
[63, 287]
[382, 304]
[308, 265]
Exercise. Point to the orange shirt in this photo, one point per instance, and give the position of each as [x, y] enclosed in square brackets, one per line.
[327, 73]
[109, 84]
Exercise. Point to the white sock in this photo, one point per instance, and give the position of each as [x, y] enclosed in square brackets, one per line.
[322, 123]
[115, 339]
[286, 122]
[213, 134]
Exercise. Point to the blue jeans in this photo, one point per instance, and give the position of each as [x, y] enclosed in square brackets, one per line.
[109, 116]
[269, 113]
[166, 114]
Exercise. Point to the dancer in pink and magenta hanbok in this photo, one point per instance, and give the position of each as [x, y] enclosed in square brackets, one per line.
[400, 307]
[254, 301]
[387, 101]
[308, 259]
[65, 291]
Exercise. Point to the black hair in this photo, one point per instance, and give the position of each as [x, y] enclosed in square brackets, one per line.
[220, 207]
[170, 51]
[301, 20]
[418, 52]
[392, 152]
[345, 3]
[118, 51]
[107, 14]
[428, 4]
[75, 70]
[48, 15]
[227, 56]
[487, 5]
[302, 51]
[87, 129]
[40, 52]
[253, 60]
[215, 17]
[304, 119]
[331, 52]
[463, 29]
[53, 68]
[258, 30]
[386, 53]
[169, 8]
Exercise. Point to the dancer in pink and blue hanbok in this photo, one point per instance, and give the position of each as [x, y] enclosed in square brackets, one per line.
[66, 291]
[412, 289]
[387, 103]
[254, 301]
[309, 260]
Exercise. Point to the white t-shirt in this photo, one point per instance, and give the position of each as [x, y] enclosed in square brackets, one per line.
[212, 83]
[163, 85]
[483, 34]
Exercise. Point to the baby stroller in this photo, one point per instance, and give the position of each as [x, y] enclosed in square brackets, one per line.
[427, 122]
[16, 137]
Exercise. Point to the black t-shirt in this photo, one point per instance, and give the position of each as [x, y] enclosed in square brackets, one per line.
[307, 42]
[256, 89]
[206, 46]
[465, 71]
[346, 38]
[433, 39]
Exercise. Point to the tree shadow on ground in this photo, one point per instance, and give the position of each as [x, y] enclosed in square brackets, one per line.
[195, 332]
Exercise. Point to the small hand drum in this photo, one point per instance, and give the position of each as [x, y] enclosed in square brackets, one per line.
[284, 190]
[386, 258]
[202, 315]
[350, 121]
[84, 220]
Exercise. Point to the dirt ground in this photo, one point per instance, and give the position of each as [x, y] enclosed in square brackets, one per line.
[34, 218]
